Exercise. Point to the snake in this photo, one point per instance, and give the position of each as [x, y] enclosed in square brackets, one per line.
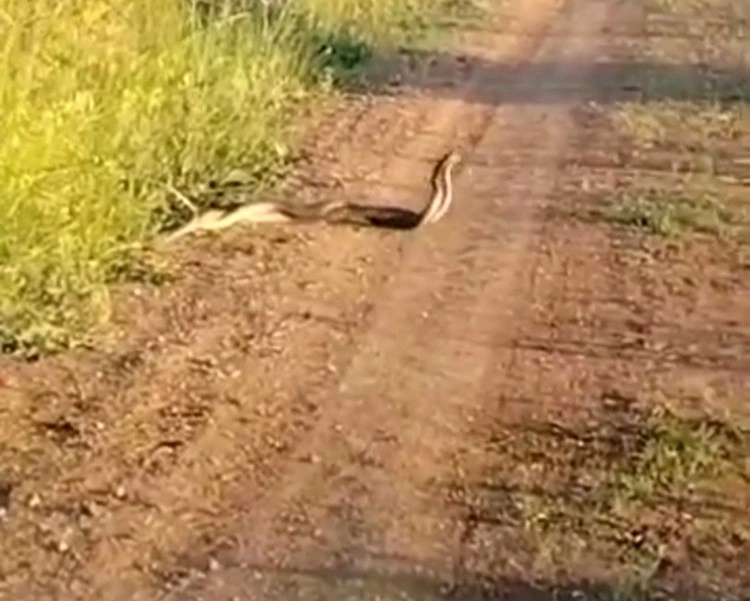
[336, 212]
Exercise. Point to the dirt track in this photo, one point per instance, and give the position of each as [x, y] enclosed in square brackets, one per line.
[306, 414]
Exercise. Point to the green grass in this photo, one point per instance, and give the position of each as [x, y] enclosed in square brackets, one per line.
[623, 464]
[670, 455]
[103, 104]
[690, 126]
[671, 215]
[609, 490]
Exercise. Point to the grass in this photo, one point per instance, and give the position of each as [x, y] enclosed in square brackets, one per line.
[103, 104]
[669, 455]
[686, 129]
[698, 8]
[621, 489]
[636, 461]
[672, 215]
[705, 130]
[682, 125]
[709, 134]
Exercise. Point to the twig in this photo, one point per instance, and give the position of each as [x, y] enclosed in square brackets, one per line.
[182, 198]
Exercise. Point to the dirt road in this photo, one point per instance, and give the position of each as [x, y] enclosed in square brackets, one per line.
[317, 413]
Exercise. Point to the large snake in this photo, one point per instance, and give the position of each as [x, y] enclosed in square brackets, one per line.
[336, 212]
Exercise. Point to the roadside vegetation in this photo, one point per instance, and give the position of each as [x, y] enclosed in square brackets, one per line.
[702, 135]
[104, 107]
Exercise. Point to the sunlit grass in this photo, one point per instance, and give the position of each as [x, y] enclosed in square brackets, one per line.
[102, 104]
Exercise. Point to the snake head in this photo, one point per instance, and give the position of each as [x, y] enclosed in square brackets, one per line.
[452, 158]
[446, 164]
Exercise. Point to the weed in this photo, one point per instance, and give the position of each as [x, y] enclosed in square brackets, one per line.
[636, 584]
[691, 126]
[619, 486]
[670, 456]
[671, 215]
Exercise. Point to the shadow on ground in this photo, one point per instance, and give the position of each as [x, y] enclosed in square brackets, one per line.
[617, 81]
[616, 493]
[339, 584]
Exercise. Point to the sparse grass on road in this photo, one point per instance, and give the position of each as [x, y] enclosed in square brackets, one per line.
[102, 105]
[707, 134]
[689, 126]
[674, 215]
[629, 490]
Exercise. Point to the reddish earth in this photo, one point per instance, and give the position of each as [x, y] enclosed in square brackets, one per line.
[525, 401]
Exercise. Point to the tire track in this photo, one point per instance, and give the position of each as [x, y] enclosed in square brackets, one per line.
[435, 350]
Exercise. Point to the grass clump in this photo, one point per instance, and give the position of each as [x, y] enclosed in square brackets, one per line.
[102, 104]
[694, 126]
[672, 215]
[625, 461]
[671, 455]
[621, 488]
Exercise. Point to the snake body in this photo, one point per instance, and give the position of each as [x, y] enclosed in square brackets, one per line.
[337, 212]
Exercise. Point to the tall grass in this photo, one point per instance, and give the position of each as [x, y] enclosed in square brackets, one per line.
[103, 103]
